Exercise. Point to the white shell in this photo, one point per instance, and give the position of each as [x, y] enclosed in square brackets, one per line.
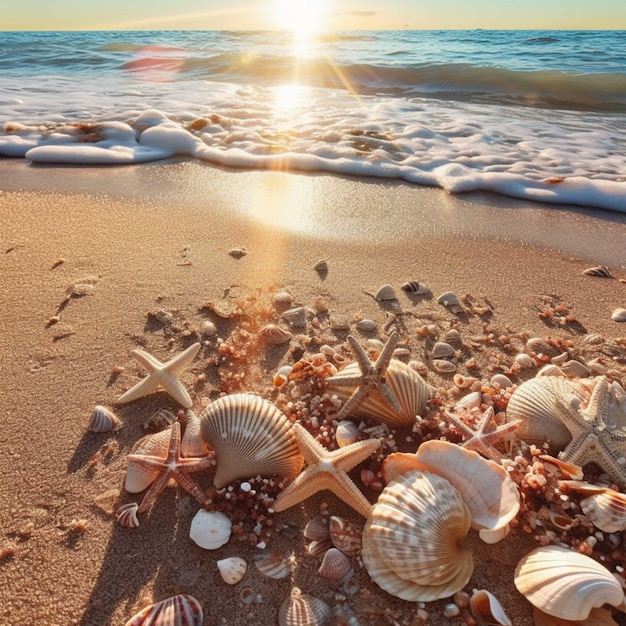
[273, 335]
[192, 444]
[126, 515]
[180, 610]
[619, 315]
[232, 569]
[210, 529]
[250, 437]
[386, 293]
[347, 432]
[566, 584]
[335, 565]
[283, 298]
[575, 369]
[604, 507]
[472, 400]
[410, 539]
[501, 380]
[524, 361]
[449, 299]
[273, 565]
[138, 477]
[102, 420]
[301, 609]
[486, 608]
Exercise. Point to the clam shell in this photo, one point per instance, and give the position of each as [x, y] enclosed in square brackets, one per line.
[192, 443]
[413, 287]
[232, 569]
[180, 610]
[566, 584]
[126, 515]
[210, 529]
[386, 293]
[444, 367]
[273, 565]
[487, 609]
[619, 315]
[442, 350]
[345, 535]
[250, 437]
[102, 420]
[366, 325]
[347, 432]
[273, 335]
[138, 477]
[335, 565]
[301, 609]
[410, 539]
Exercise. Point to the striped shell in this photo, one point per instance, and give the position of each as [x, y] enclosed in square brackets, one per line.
[566, 584]
[232, 569]
[273, 335]
[180, 610]
[210, 529]
[413, 287]
[409, 388]
[301, 609]
[410, 539]
[102, 420]
[317, 528]
[335, 565]
[604, 507]
[273, 565]
[600, 270]
[139, 477]
[192, 443]
[126, 515]
[250, 437]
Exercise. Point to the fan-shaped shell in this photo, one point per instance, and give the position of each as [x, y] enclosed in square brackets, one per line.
[180, 610]
[410, 538]
[232, 569]
[345, 535]
[335, 565]
[102, 420]
[597, 617]
[273, 335]
[566, 584]
[604, 507]
[210, 529]
[409, 388]
[138, 477]
[250, 437]
[486, 488]
[273, 565]
[486, 607]
[301, 609]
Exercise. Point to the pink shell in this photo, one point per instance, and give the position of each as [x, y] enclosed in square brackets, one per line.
[180, 610]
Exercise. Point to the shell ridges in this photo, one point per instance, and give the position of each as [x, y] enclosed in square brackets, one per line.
[179, 610]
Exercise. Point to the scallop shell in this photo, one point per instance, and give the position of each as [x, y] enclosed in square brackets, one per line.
[126, 515]
[442, 350]
[102, 420]
[600, 270]
[619, 315]
[597, 617]
[335, 565]
[386, 293]
[232, 569]
[605, 508]
[301, 609]
[274, 335]
[139, 477]
[409, 388]
[180, 610]
[345, 535]
[487, 609]
[210, 529]
[250, 437]
[413, 287]
[410, 538]
[192, 444]
[566, 584]
[273, 565]
[486, 488]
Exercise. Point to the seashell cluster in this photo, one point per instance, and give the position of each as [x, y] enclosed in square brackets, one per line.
[273, 335]
[210, 529]
[250, 437]
[301, 608]
[102, 420]
[410, 540]
[179, 610]
[232, 569]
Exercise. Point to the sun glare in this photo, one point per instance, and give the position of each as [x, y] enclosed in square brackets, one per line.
[302, 17]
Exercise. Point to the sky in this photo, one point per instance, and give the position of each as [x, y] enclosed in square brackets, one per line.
[294, 14]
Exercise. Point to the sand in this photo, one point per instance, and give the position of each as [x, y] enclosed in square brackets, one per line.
[158, 237]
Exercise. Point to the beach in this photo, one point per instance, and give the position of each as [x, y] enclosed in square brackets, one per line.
[156, 238]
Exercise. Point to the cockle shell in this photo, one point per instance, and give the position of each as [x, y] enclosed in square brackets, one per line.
[410, 538]
[345, 535]
[273, 335]
[210, 529]
[301, 609]
[250, 437]
[138, 477]
[409, 388]
[486, 488]
[486, 608]
[180, 610]
[273, 565]
[102, 420]
[605, 508]
[317, 528]
[126, 515]
[335, 565]
[566, 584]
[232, 569]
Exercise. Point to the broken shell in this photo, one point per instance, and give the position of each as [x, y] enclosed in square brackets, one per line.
[410, 539]
[566, 470]
[449, 299]
[345, 535]
[273, 565]
[180, 610]
[321, 266]
[335, 565]
[443, 367]
[601, 271]
[102, 420]
[301, 609]
[274, 335]
[442, 350]
[486, 608]
[566, 584]
[250, 437]
[232, 569]
[463, 382]
[210, 529]
[366, 325]
[386, 293]
[347, 432]
[126, 515]
[619, 315]
[575, 369]
[414, 288]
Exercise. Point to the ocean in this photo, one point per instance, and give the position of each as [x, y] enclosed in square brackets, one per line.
[539, 115]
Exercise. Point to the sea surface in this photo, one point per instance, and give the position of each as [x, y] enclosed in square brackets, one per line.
[539, 115]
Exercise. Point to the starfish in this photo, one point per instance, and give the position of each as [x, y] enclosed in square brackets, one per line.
[327, 470]
[169, 466]
[598, 428]
[372, 376]
[161, 375]
[480, 437]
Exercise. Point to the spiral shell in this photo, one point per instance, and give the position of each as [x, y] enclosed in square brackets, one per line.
[250, 437]
[566, 584]
[335, 565]
[410, 538]
[273, 335]
[180, 610]
[301, 609]
[102, 420]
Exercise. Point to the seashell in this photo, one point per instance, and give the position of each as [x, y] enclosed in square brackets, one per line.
[317, 528]
[339, 322]
[550, 369]
[159, 420]
[366, 325]
[575, 369]
[102, 420]
[273, 335]
[209, 328]
[559, 359]
[319, 547]
[347, 432]
[464, 382]
[250, 437]
[301, 609]
[568, 470]
[442, 350]
[238, 253]
[401, 353]
[232, 569]
[210, 529]
[385, 293]
[486, 608]
[524, 361]
[409, 388]
[486, 487]
[619, 315]
[126, 515]
[601, 271]
[139, 477]
[248, 595]
[566, 584]
[295, 317]
[273, 565]
[540, 346]
[605, 508]
[345, 535]
[472, 400]
[443, 367]
[180, 610]
[501, 381]
[321, 266]
[414, 288]
[335, 565]
[281, 376]
[410, 539]
[283, 298]
[453, 337]
[449, 299]
[192, 443]
[597, 617]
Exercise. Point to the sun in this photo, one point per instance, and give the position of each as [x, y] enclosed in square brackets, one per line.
[302, 17]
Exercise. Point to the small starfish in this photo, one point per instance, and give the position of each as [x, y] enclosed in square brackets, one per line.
[327, 470]
[173, 465]
[162, 375]
[480, 438]
[599, 430]
[372, 376]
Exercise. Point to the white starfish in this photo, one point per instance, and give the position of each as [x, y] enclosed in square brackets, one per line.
[162, 375]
